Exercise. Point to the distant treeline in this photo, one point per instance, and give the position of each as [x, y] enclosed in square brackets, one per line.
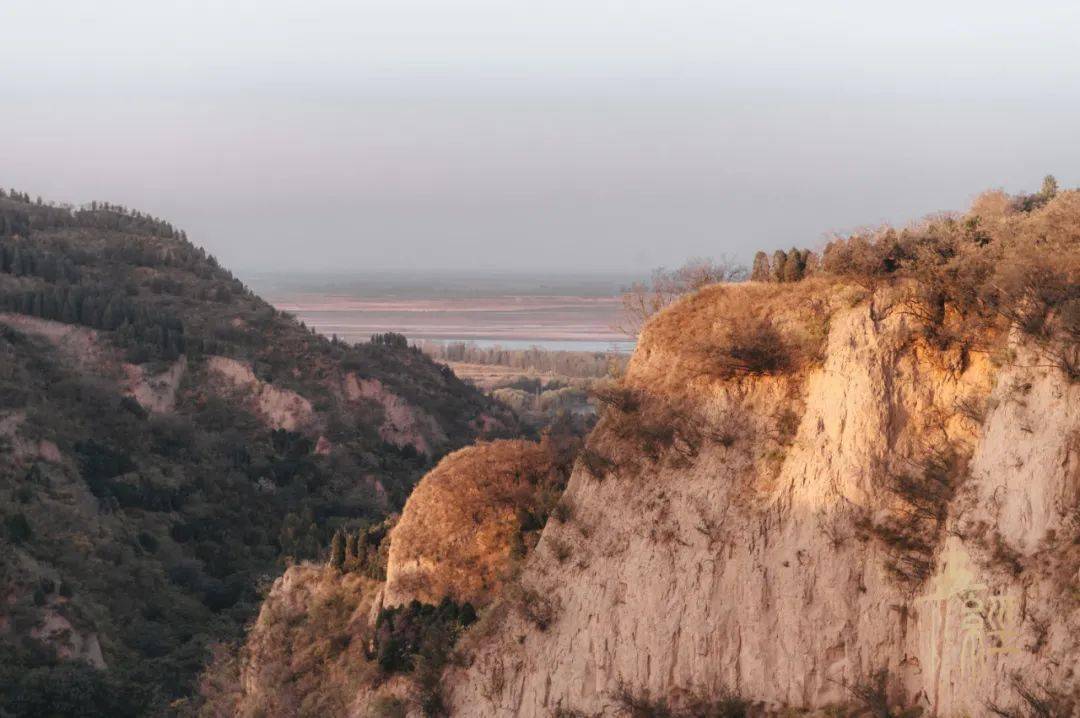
[63, 276]
[24, 215]
[565, 363]
[147, 331]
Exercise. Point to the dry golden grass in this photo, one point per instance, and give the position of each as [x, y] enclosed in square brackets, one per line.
[463, 523]
[728, 331]
[1009, 263]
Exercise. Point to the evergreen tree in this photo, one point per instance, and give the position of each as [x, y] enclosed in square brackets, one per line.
[760, 272]
[779, 259]
[793, 268]
[352, 546]
[337, 550]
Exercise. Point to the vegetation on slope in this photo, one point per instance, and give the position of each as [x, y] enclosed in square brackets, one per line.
[154, 532]
[331, 638]
[473, 518]
[1011, 263]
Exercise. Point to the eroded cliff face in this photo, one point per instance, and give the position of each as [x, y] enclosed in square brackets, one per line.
[886, 508]
[304, 655]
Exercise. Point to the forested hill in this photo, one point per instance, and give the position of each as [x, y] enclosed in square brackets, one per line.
[168, 441]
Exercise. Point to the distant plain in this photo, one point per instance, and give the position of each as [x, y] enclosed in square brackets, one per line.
[513, 311]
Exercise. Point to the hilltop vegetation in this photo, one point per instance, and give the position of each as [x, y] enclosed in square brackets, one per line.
[167, 442]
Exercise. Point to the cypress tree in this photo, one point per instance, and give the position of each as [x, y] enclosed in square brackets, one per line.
[793, 268]
[779, 260]
[352, 545]
[337, 550]
[760, 272]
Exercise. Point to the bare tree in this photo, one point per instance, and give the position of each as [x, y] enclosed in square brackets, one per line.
[643, 299]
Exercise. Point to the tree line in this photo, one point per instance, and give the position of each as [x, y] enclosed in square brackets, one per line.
[147, 333]
[564, 363]
[791, 266]
[21, 215]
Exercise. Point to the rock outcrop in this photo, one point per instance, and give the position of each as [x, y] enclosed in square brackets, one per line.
[853, 494]
[279, 408]
[894, 510]
[465, 521]
[402, 423]
[887, 518]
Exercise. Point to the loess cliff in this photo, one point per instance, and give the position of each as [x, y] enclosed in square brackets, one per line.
[857, 493]
[807, 556]
[825, 494]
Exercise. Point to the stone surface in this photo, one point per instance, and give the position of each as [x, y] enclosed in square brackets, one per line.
[746, 569]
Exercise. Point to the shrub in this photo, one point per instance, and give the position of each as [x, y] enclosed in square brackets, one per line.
[654, 428]
[535, 607]
[417, 629]
[972, 408]
[561, 712]
[559, 548]
[749, 346]
[682, 704]
[912, 531]
[563, 511]
[18, 528]
[596, 463]
[427, 680]
[871, 694]
[644, 299]
[864, 259]
[387, 707]
[1038, 701]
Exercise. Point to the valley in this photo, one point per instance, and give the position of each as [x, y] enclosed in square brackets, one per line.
[535, 342]
[481, 359]
[513, 311]
[787, 499]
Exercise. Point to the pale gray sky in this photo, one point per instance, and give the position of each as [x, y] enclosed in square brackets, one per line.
[532, 135]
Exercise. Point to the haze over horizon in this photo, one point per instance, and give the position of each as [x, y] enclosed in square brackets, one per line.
[510, 136]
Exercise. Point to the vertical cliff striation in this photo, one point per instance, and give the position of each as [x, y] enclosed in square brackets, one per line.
[884, 513]
[857, 493]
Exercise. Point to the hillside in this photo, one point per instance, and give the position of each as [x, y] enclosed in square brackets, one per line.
[853, 493]
[167, 442]
[857, 491]
[370, 632]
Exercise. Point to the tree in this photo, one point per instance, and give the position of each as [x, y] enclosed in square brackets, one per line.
[779, 260]
[18, 528]
[1049, 187]
[337, 550]
[352, 547]
[643, 299]
[761, 271]
[793, 268]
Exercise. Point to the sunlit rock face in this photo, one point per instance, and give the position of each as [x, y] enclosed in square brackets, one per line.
[884, 509]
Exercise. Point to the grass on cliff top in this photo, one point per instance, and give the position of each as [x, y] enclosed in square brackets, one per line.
[475, 514]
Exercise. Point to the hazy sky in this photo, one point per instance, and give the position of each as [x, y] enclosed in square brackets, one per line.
[532, 135]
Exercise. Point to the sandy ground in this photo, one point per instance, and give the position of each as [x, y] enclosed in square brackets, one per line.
[558, 322]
